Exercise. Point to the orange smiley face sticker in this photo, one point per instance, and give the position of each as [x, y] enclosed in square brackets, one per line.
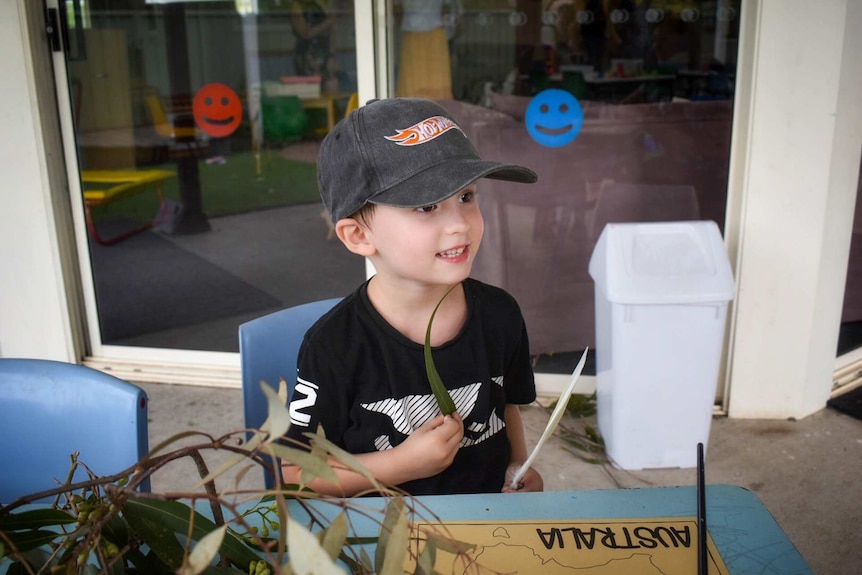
[217, 110]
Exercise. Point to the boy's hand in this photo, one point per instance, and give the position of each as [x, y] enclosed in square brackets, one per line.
[432, 447]
[531, 481]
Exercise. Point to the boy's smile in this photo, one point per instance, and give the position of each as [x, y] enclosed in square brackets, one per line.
[455, 255]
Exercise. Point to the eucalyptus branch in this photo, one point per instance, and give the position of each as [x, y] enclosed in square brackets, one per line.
[218, 516]
[102, 524]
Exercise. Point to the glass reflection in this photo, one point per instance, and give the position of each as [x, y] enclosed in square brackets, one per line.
[197, 125]
[654, 80]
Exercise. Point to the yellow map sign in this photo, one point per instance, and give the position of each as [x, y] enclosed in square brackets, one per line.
[578, 547]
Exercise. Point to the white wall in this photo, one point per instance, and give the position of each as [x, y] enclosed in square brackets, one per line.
[34, 317]
[797, 150]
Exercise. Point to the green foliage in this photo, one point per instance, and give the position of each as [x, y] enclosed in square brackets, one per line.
[284, 119]
[104, 525]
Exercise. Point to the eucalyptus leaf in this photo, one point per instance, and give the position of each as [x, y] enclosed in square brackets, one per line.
[35, 518]
[278, 421]
[204, 552]
[395, 528]
[175, 515]
[334, 536]
[427, 558]
[116, 530]
[441, 394]
[306, 554]
[149, 563]
[365, 559]
[343, 456]
[448, 544]
[31, 539]
[306, 461]
[559, 410]
[393, 510]
[161, 539]
[40, 560]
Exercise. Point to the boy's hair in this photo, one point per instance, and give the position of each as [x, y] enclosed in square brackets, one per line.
[401, 152]
[364, 214]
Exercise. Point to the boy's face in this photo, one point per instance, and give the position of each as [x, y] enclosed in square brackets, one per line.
[433, 244]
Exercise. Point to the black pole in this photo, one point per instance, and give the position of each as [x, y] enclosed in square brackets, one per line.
[193, 219]
[702, 565]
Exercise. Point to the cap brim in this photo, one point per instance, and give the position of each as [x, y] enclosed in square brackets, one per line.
[439, 182]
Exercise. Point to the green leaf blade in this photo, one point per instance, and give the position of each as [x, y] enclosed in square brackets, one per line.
[441, 394]
[34, 519]
[176, 516]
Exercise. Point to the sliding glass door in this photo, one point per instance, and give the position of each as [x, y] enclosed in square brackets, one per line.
[197, 124]
[196, 129]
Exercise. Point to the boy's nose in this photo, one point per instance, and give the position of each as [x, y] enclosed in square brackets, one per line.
[456, 221]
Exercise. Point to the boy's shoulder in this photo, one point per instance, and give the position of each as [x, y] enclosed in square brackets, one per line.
[337, 319]
[489, 295]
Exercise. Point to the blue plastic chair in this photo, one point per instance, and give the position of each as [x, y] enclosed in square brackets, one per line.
[268, 347]
[50, 409]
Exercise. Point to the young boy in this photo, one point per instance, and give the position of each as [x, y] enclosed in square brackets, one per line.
[398, 179]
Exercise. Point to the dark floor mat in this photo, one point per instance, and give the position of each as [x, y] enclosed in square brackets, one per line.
[147, 283]
[849, 403]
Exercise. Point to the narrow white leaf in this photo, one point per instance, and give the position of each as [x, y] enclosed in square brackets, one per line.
[204, 552]
[307, 556]
[556, 416]
[279, 416]
[396, 543]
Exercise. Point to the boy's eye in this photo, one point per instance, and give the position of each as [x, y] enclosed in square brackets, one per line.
[427, 209]
[467, 197]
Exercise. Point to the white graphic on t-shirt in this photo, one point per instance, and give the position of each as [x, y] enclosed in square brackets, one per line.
[413, 411]
[382, 443]
[309, 390]
[477, 427]
[494, 425]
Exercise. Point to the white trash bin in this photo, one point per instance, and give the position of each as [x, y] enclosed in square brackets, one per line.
[661, 293]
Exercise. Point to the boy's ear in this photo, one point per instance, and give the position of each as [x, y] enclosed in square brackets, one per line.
[354, 236]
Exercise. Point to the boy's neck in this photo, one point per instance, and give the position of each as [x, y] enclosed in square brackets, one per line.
[408, 309]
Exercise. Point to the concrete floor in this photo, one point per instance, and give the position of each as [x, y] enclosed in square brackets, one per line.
[806, 472]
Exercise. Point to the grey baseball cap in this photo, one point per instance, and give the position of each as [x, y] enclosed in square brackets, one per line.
[403, 152]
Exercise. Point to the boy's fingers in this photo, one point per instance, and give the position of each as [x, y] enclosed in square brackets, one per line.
[434, 423]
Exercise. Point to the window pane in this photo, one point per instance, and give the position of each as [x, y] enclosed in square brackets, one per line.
[650, 85]
[198, 125]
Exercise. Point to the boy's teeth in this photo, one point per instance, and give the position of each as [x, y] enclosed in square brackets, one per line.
[452, 253]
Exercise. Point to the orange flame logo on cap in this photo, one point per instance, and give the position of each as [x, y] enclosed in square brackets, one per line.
[424, 131]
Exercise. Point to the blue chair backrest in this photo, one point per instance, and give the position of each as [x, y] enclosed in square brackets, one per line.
[50, 409]
[268, 347]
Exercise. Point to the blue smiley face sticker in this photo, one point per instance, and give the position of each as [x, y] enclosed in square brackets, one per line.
[554, 118]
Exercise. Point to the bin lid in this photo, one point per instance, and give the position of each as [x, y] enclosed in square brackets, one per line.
[662, 263]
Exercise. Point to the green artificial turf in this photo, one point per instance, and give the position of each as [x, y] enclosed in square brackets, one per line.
[234, 187]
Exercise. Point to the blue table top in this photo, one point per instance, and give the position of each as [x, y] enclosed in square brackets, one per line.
[746, 535]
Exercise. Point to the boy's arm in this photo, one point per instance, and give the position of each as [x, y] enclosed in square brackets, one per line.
[426, 452]
[531, 481]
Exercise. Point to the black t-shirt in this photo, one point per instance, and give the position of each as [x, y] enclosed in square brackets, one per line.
[365, 384]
